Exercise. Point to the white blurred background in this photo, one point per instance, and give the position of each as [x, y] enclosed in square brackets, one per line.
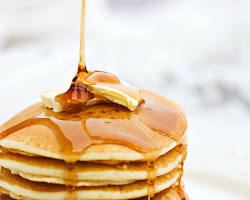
[196, 52]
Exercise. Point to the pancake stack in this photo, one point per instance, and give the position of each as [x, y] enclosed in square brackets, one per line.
[103, 152]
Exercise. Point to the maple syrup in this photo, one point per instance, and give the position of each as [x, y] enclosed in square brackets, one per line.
[152, 175]
[82, 62]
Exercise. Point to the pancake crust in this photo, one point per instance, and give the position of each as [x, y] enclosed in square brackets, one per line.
[13, 184]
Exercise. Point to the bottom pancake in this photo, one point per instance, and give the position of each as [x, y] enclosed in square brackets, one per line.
[173, 193]
[20, 188]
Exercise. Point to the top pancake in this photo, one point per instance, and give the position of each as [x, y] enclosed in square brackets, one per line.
[110, 132]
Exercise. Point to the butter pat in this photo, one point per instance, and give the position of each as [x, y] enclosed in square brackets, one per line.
[48, 97]
[117, 94]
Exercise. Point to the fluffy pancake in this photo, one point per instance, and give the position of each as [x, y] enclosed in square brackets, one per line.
[162, 121]
[16, 186]
[62, 181]
[85, 173]
[45, 144]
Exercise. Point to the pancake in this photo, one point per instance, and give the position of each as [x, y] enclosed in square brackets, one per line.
[173, 193]
[156, 127]
[15, 186]
[87, 183]
[85, 173]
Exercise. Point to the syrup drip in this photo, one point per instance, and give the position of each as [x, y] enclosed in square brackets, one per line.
[71, 194]
[77, 96]
[152, 175]
[70, 176]
[180, 167]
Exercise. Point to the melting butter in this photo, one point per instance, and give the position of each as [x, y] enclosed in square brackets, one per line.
[117, 94]
[105, 88]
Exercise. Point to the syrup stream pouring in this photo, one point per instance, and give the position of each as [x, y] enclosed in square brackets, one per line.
[82, 62]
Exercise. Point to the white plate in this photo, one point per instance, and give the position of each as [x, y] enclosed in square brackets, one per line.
[203, 186]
